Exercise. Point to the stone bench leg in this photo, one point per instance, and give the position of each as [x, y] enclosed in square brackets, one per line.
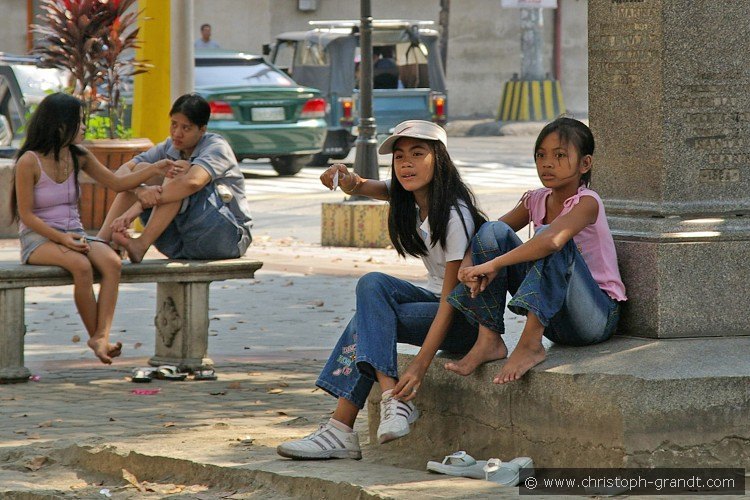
[11, 336]
[181, 325]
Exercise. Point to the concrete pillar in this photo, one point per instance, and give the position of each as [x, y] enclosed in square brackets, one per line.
[670, 110]
[181, 325]
[182, 72]
[152, 94]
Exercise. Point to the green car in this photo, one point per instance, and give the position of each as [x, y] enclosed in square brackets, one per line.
[260, 111]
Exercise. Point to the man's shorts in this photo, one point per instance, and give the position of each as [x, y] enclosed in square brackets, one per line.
[204, 229]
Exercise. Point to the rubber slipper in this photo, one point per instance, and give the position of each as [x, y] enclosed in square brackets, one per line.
[506, 473]
[169, 372]
[204, 374]
[459, 464]
[142, 375]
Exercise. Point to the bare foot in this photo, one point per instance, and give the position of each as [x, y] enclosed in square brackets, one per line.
[488, 347]
[100, 346]
[525, 356]
[114, 350]
[135, 253]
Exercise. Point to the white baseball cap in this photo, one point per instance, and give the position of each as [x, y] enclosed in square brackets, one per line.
[416, 129]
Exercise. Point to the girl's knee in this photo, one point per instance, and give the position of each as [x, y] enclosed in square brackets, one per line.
[492, 236]
[370, 283]
[111, 266]
[82, 271]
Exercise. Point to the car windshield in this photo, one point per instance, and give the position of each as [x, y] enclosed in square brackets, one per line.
[238, 73]
[36, 83]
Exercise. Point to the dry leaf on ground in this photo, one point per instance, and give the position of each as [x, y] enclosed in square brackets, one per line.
[35, 463]
[130, 477]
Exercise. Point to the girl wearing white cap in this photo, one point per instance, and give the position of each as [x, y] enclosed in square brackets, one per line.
[432, 215]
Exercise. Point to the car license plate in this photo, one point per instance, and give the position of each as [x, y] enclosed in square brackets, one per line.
[268, 114]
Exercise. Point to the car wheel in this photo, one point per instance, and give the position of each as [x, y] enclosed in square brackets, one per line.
[289, 165]
[342, 156]
[319, 160]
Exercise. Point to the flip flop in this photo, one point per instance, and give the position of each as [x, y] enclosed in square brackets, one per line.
[459, 464]
[169, 372]
[143, 375]
[204, 374]
[506, 473]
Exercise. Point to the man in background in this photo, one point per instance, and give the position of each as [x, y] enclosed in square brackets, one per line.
[205, 42]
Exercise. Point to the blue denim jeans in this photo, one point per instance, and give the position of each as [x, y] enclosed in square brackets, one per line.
[389, 310]
[205, 228]
[558, 289]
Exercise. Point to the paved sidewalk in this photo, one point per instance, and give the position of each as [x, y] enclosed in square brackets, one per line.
[79, 430]
[73, 430]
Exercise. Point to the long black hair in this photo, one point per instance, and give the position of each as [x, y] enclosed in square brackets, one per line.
[446, 191]
[571, 131]
[53, 126]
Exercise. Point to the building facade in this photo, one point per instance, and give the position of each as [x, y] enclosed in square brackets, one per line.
[484, 42]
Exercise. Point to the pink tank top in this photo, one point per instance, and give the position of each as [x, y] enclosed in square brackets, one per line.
[56, 204]
[594, 241]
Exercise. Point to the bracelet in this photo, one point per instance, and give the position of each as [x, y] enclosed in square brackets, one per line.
[356, 186]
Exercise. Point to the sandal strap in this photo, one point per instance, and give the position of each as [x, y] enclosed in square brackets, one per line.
[460, 458]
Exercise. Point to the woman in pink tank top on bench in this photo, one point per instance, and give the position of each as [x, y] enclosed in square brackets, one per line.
[46, 201]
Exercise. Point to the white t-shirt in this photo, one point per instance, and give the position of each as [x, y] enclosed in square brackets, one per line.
[456, 243]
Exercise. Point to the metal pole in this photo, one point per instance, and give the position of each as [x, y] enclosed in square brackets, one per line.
[366, 158]
[445, 9]
[531, 44]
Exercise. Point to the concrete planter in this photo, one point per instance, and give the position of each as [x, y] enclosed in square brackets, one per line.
[8, 226]
[112, 153]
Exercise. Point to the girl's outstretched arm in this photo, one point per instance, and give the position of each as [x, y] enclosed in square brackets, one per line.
[106, 177]
[411, 379]
[351, 183]
[26, 175]
[557, 234]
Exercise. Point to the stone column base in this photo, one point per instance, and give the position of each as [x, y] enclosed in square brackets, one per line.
[182, 325]
[355, 224]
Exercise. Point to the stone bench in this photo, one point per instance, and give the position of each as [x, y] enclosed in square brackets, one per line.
[181, 307]
[625, 403]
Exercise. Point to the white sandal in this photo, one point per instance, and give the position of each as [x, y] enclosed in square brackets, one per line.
[506, 473]
[459, 464]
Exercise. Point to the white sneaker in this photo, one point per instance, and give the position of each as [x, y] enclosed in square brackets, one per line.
[395, 417]
[326, 442]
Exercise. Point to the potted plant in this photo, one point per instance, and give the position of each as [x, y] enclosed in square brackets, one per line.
[93, 40]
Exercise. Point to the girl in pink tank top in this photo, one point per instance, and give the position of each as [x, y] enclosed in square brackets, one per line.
[46, 200]
[565, 279]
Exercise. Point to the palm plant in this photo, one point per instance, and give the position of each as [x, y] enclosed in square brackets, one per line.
[90, 39]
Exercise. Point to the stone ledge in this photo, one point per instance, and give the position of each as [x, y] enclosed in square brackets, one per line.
[625, 403]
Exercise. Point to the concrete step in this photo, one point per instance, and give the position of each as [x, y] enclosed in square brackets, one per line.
[266, 478]
[625, 403]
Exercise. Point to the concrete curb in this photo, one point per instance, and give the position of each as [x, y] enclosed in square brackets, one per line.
[304, 480]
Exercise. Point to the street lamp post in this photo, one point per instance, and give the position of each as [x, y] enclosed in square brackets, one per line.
[366, 158]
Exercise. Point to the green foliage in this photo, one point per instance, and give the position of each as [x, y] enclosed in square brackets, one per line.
[90, 38]
[99, 126]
